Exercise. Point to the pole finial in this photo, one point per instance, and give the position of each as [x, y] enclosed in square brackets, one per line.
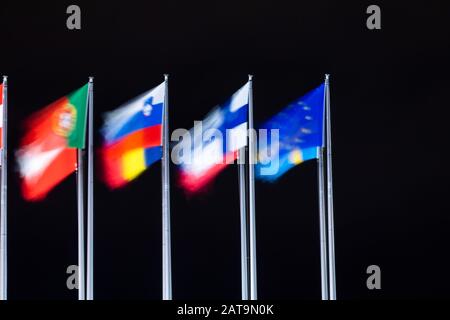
[91, 79]
[327, 77]
[250, 77]
[166, 76]
[5, 78]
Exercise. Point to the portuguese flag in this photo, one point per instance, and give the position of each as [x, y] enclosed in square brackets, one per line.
[48, 152]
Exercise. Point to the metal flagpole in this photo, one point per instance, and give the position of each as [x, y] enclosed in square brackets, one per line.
[251, 190]
[90, 195]
[331, 252]
[4, 198]
[166, 247]
[80, 191]
[244, 225]
[322, 222]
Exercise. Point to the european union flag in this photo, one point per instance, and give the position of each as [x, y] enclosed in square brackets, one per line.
[300, 134]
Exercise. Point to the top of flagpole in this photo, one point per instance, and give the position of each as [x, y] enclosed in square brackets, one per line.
[327, 77]
[250, 77]
[5, 79]
[166, 76]
[91, 79]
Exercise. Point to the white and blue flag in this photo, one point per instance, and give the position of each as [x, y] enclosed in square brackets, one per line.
[213, 143]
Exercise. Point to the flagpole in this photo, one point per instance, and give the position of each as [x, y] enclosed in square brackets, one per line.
[322, 222]
[251, 190]
[4, 198]
[331, 251]
[166, 245]
[80, 191]
[244, 225]
[90, 195]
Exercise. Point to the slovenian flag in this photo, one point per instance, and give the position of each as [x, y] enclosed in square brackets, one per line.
[300, 127]
[48, 151]
[133, 137]
[211, 152]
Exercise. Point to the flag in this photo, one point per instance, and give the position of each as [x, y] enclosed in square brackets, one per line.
[47, 154]
[132, 137]
[213, 144]
[300, 127]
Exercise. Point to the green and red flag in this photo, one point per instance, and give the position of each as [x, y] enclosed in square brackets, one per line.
[48, 152]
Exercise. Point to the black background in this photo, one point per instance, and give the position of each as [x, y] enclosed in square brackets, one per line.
[389, 93]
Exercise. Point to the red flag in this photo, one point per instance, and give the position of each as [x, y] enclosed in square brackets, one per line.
[48, 149]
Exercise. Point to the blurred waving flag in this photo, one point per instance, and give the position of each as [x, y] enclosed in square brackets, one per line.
[133, 137]
[300, 127]
[48, 150]
[214, 143]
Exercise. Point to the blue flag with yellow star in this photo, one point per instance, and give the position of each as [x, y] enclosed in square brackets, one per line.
[300, 133]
